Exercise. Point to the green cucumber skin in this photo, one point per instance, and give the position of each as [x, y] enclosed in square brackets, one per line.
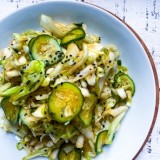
[65, 40]
[31, 42]
[62, 155]
[55, 115]
[11, 111]
[54, 57]
[126, 76]
[99, 141]
[30, 47]
[82, 114]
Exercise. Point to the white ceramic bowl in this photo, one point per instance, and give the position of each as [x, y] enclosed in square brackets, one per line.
[141, 116]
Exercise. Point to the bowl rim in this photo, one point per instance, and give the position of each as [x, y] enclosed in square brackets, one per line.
[139, 39]
[157, 89]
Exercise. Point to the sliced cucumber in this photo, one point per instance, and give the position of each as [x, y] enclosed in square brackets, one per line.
[117, 75]
[78, 24]
[45, 47]
[65, 102]
[100, 141]
[30, 43]
[11, 111]
[69, 152]
[123, 80]
[86, 113]
[72, 36]
[30, 47]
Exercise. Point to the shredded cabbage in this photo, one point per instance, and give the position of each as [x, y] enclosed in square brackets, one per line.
[29, 82]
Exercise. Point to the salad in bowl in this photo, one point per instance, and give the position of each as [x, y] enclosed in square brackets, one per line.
[63, 93]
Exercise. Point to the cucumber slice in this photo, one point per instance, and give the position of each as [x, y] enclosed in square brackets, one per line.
[45, 47]
[30, 47]
[100, 141]
[65, 102]
[11, 111]
[30, 43]
[86, 113]
[69, 152]
[117, 75]
[123, 80]
[72, 36]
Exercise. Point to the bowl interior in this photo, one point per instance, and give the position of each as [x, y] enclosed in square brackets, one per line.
[136, 124]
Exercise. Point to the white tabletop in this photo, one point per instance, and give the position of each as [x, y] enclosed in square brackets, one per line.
[144, 17]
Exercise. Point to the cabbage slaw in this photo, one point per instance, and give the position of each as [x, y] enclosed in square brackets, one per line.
[29, 82]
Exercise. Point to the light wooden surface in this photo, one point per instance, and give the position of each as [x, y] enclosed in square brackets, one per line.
[144, 17]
